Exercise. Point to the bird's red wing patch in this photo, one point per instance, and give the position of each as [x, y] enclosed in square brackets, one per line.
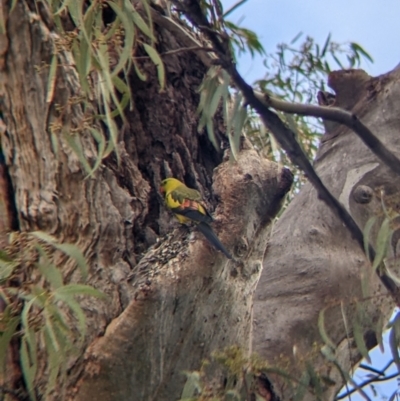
[190, 204]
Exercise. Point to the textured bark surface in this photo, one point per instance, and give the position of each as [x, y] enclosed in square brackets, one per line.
[312, 262]
[186, 300]
[183, 299]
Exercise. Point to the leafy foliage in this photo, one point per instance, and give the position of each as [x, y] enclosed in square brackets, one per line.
[294, 72]
[103, 55]
[247, 378]
[43, 310]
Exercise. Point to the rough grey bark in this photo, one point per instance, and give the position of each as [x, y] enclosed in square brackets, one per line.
[171, 299]
[312, 262]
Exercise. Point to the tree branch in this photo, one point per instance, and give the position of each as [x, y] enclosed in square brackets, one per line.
[176, 51]
[366, 383]
[341, 116]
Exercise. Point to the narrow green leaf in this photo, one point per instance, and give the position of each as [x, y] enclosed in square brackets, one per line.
[120, 85]
[109, 121]
[359, 339]
[89, 18]
[52, 274]
[64, 6]
[365, 281]
[337, 61]
[382, 242]
[61, 326]
[322, 330]
[296, 38]
[230, 395]
[70, 302]
[107, 90]
[2, 22]
[392, 274]
[52, 79]
[211, 133]
[232, 114]
[84, 63]
[13, 4]
[226, 97]
[142, 75]
[379, 331]
[129, 37]
[73, 142]
[54, 141]
[394, 347]
[206, 91]
[6, 269]
[358, 49]
[367, 235]
[302, 386]
[238, 124]
[325, 48]
[54, 363]
[192, 385]
[233, 8]
[101, 145]
[215, 100]
[315, 381]
[75, 11]
[28, 369]
[76, 254]
[148, 9]
[139, 22]
[44, 237]
[48, 327]
[156, 59]
[5, 339]
[79, 289]
[70, 250]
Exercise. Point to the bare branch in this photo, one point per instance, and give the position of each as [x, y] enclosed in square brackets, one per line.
[341, 116]
[180, 50]
[365, 383]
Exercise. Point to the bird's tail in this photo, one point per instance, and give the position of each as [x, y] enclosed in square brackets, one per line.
[212, 238]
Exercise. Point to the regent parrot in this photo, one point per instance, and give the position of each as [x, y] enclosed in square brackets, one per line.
[187, 205]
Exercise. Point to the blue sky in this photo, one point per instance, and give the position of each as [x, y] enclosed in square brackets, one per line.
[374, 24]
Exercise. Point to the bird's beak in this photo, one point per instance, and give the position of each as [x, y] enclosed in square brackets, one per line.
[162, 190]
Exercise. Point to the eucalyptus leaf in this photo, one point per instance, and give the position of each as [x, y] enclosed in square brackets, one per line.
[52, 79]
[382, 242]
[322, 329]
[192, 386]
[5, 339]
[78, 289]
[367, 234]
[129, 37]
[302, 386]
[156, 59]
[28, 368]
[359, 339]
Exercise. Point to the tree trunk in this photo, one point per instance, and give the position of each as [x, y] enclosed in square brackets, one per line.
[172, 298]
[312, 263]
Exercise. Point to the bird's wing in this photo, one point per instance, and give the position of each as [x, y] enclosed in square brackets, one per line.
[183, 192]
[188, 207]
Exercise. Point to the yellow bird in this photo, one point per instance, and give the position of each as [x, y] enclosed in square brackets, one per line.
[187, 205]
